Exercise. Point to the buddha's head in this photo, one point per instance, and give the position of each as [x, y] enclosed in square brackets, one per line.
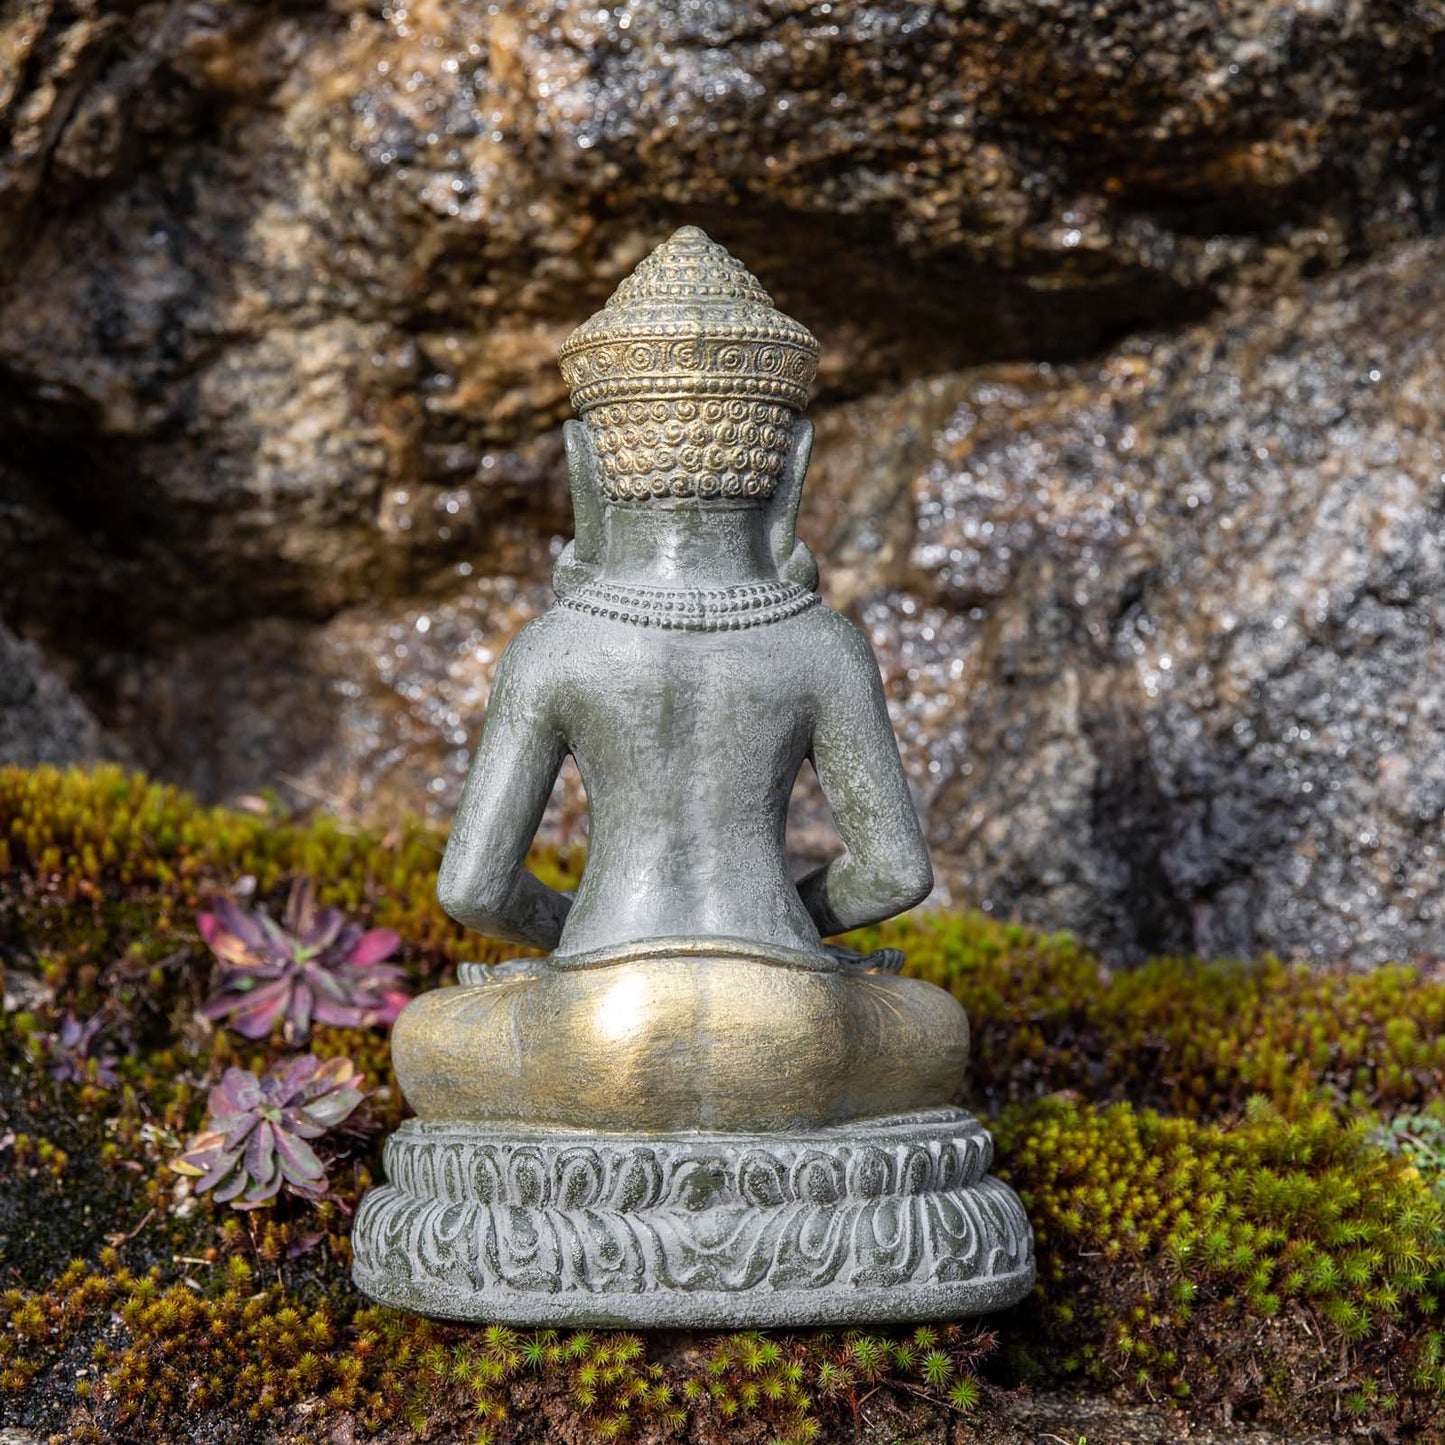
[690, 382]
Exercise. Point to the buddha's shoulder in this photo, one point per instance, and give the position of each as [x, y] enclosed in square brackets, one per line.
[832, 635]
[534, 642]
[563, 635]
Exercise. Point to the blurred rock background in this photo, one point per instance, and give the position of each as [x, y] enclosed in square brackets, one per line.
[1131, 440]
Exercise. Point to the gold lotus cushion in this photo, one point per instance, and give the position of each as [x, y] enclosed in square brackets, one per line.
[681, 1042]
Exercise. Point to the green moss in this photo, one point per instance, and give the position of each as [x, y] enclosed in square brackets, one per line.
[1233, 1172]
[104, 856]
[1183, 1035]
[249, 1352]
[1194, 1258]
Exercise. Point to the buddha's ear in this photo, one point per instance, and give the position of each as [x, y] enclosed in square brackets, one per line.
[581, 556]
[792, 558]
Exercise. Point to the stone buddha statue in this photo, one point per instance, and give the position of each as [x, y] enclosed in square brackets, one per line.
[692, 1111]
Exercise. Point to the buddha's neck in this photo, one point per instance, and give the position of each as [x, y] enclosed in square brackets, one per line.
[686, 545]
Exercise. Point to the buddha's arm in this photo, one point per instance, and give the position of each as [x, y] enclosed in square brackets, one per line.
[484, 882]
[885, 867]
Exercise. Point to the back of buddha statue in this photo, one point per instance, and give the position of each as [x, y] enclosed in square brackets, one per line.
[688, 666]
[673, 1118]
[688, 743]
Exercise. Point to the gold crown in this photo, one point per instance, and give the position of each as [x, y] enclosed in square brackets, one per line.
[690, 377]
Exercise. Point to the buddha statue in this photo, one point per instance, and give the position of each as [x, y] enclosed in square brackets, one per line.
[692, 1111]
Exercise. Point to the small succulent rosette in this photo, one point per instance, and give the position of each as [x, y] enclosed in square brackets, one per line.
[256, 1142]
[314, 967]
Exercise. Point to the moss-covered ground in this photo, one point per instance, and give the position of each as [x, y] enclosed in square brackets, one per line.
[1233, 1170]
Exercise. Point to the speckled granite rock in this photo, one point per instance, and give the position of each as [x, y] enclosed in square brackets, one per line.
[280, 292]
[281, 285]
[41, 720]
[1192, 595]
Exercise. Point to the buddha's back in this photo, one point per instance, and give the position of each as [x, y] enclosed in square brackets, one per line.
[689, 666]
[688, 743]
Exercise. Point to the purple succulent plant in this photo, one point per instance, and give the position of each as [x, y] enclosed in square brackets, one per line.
[313, 966]
[73, 1055]
[256, 1138]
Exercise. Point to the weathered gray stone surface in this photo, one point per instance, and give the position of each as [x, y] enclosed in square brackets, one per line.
[881, 1219]
[281, 286]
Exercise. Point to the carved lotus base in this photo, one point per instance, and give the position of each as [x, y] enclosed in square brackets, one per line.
[882, 1219]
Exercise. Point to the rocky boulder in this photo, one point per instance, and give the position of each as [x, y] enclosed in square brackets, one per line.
[41, 720]
[281, 284]
[280, 291]
[1184, 608]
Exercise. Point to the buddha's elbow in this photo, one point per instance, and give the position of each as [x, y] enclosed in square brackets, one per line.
[914, 883]
[462, 900]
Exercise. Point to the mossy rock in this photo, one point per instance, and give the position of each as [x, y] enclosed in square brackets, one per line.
[1227, 1229]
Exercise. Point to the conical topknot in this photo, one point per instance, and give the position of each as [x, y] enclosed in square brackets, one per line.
[691, 266]
[690, 320]
[688, 376]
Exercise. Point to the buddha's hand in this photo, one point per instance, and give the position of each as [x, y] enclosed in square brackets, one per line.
[881, 960]
[483, 975]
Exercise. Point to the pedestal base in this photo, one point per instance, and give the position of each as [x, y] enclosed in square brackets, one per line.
[882, 1219]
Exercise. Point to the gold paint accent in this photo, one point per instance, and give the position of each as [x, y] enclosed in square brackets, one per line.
[689, 377]
[686, 1040]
